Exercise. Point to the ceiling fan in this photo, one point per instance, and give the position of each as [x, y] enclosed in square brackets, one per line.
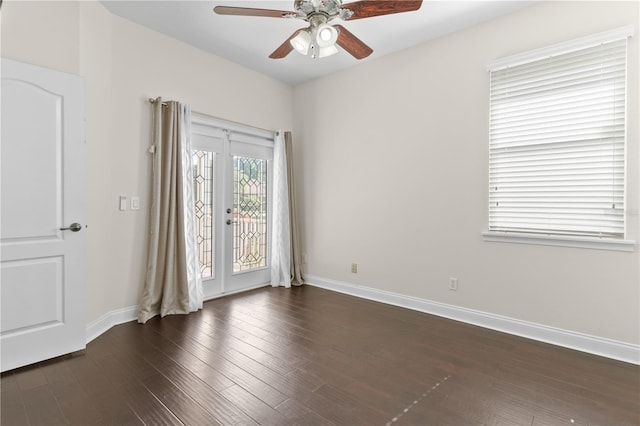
[318, 40]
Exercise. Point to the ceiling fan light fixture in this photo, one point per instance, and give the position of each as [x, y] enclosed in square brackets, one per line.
[326, 35]
[323, 52]
[301, 42]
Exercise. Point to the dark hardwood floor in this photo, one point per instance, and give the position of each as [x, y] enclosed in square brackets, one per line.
[308, 356]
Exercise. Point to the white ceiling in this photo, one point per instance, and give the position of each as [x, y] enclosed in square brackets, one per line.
[250, 40]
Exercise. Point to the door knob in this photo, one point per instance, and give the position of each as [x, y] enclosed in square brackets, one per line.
[74, 227]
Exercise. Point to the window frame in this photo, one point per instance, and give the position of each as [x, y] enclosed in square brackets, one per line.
[558, 239]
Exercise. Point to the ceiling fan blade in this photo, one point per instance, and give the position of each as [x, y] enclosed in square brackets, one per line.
[352, 44]
[285, 48]
[248, 11]
[370, 8]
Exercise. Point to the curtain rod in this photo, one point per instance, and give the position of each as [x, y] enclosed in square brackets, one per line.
[164, 104]
[153, 101]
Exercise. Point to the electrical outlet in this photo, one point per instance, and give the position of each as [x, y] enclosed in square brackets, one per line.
[453, 284]
[354, 268]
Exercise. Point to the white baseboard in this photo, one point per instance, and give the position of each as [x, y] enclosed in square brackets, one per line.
[119, 316]
[569, 339]
[108, 320]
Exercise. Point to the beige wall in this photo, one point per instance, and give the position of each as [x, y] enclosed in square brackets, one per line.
[42, 33]
[392, 159]
[123, 65]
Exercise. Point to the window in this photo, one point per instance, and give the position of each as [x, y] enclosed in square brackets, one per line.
[557, 130]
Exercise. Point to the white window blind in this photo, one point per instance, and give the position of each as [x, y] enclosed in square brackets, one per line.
[557, 141]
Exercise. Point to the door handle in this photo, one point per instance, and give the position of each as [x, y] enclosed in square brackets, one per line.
[229, 221]
[74, 227]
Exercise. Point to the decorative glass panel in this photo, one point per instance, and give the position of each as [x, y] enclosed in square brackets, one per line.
[203, 177]
[249, 214]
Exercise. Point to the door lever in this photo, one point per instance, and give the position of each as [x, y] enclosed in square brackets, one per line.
[74, 227]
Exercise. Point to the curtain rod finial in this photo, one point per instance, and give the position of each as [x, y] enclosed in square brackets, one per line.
[153, 101]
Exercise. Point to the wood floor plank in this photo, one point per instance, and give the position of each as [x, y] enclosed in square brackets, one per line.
[115, 410]
[13, 411]
[261, 412]
[175, 353]
[296, 413]
[149, 408]
[218, 337]
[184, 407]
[205, 396]
[31, 378]
[341, 411]
[59, 375]
[78, 407]
[135, 395]
[238, 375]
[307, 356]
[288, 384]
[42, 407]
[190, 382]
[223, 340]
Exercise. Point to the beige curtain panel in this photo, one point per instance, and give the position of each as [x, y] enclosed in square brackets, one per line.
[296, 255]
[166, 287]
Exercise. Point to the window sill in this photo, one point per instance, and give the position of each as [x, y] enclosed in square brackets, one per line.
[560, 241]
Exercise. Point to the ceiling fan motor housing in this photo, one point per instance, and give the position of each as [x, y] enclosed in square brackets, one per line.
[331, 9]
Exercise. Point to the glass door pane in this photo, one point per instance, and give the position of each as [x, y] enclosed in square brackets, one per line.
[204, 195]
[249, 251]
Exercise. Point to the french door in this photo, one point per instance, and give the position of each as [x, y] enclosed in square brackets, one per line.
[232, 184]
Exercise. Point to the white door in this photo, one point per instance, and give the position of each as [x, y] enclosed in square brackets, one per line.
[42, 266]
[248, 226]
[232, 173]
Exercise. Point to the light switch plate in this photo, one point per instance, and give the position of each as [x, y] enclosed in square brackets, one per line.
[135, 202]
[123, 203]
